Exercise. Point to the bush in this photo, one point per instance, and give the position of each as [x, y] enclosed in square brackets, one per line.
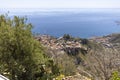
[67, 37]
[115, 76]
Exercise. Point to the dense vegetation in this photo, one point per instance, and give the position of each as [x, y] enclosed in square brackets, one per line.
[21, 56]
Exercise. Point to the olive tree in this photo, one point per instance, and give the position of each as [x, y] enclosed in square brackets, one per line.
[21, 56]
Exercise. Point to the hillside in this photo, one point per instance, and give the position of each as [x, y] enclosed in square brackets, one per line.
[24, 56]
[109, 41]
[83, 56]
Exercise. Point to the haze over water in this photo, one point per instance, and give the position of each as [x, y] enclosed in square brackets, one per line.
[83, 23]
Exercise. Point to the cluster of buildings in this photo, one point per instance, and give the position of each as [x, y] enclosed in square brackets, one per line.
[57, 43]
[103, 40]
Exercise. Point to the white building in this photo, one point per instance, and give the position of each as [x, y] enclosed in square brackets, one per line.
[3, 77]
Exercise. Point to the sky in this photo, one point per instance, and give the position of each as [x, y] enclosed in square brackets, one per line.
[59, 3]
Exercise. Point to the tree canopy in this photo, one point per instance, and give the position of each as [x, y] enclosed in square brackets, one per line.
[21, 56]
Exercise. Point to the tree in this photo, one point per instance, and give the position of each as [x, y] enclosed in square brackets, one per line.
[21, 56]
[102, 63]
[67, 37]
[84, 41]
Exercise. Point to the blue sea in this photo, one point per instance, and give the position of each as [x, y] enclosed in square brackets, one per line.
[84, 23]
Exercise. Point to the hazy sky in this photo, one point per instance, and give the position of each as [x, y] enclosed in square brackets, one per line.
[59, 3]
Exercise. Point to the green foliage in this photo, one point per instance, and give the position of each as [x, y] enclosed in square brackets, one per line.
[60, 77]
[67, 37]
[115, 76]
[66, 65]
[84, 41]
[51, 70]
[21, 56]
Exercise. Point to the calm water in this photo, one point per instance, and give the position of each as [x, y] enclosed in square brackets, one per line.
[77, 22]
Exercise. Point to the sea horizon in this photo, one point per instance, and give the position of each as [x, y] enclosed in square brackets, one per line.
[78, 22]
